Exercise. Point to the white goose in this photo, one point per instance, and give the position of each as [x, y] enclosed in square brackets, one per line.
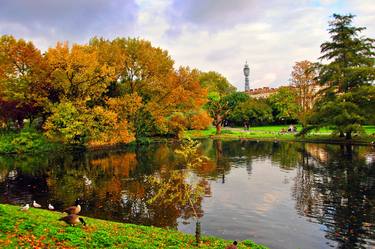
[36, 205]
[50, 207]
[25, 208]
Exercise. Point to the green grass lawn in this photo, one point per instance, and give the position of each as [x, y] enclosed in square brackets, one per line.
[37, 228]
[369, 129]
[273, 133]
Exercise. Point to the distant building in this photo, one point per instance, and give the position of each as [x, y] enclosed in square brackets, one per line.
[309, 93]
[263, 92]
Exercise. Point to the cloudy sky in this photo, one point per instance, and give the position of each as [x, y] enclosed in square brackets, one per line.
[217, 35]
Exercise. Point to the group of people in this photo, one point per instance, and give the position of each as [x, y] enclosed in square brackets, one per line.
[291, 129]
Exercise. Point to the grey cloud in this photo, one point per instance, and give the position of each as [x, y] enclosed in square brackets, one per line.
[223, 14]
[65, 20]
[214, 13]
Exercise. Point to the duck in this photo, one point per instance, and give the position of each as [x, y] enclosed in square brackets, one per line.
[73, 219]
[36, 205]
[232, 246]
[73, 209]
[50, 207]
[25, 208]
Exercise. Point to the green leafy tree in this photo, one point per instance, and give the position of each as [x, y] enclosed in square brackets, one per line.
[349, 72]
[252, 111]
[219, 107]
[215, 82]
[284, 105]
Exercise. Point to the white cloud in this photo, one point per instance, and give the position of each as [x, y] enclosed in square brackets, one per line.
[215, 35]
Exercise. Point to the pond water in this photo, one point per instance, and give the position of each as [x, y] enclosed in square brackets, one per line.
[282, 195]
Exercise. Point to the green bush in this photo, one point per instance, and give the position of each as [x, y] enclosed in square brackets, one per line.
[27, 140]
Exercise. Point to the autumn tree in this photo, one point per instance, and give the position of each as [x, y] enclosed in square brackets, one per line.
[176, 189]
[349, 71]
[77, 74]
[80, 114]
[23, 80]
[147, 72]
[304, 82]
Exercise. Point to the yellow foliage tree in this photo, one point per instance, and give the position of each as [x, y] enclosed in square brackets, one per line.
[77, 74]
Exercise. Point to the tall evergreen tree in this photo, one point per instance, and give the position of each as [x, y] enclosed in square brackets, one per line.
[349, 69]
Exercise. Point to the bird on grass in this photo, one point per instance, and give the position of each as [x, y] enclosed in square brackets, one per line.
[50, 207]
[232, 246]
[73, 219]
[36, 205]
[25, 208]
[73, 209]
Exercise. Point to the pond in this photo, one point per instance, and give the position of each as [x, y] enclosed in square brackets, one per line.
[280, 194]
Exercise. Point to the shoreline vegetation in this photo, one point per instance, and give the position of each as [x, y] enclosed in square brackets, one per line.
[38, 228]
[31, 141]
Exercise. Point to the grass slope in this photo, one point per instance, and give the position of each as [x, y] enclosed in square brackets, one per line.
[37, 228]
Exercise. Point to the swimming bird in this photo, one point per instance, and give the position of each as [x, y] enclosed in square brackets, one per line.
[232, 246]
[73, 219]
[25, 208]
[73, 209]
[50, 207]
[36, 205]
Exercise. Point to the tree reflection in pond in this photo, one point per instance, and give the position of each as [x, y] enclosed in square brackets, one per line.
[338, 189]
[331, 185]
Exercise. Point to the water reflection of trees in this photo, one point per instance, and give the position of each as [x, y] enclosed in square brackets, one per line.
[111, 183]
[336, 185]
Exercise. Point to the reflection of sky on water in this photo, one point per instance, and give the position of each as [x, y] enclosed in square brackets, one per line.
[284, 195]
[257, 209]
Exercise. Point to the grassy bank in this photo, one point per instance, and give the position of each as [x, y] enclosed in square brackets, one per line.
[26, 141]
[271, 133]
[37, 228]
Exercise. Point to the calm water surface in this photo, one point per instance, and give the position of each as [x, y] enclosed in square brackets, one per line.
[283, 195]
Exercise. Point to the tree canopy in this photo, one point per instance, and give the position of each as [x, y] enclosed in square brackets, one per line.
[349, 71]
[103, 92]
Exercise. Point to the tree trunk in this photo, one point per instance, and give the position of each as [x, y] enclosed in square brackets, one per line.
[217, 123]
[218, 129]
[348, 135]
[342, 134]
[198, 232]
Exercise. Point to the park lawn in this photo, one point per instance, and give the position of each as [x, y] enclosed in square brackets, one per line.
[369, 129]
[38, 228]
[273, 133]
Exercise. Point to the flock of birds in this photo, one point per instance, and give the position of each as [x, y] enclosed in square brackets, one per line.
[72, 218]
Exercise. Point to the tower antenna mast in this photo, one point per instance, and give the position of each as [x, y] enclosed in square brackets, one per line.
[246, 71]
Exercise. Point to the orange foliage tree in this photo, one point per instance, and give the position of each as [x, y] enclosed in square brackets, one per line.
[147, 72]
[23, 80]
[103, 92]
